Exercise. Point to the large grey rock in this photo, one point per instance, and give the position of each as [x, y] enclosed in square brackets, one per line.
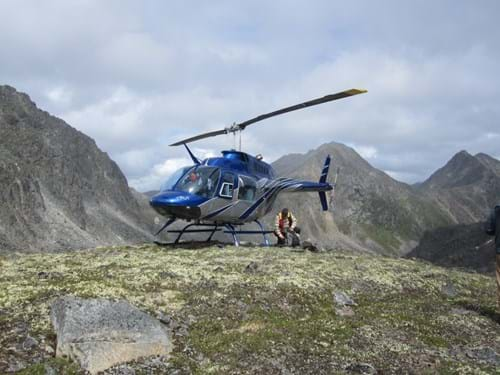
[99, 333]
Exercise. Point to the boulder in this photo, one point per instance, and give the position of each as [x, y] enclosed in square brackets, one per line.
[99, 333]
[341, 299]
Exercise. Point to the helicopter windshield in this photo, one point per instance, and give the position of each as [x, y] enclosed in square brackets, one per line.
[200, 180]
[172, 180]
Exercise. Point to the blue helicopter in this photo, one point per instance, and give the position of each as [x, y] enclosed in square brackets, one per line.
[221, 193]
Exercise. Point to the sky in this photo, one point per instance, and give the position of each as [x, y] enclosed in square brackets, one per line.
[139, 75]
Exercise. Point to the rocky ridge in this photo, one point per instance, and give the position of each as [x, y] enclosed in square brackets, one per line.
[57, 189]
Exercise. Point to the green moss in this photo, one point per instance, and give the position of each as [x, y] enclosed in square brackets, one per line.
[284, 311]
[383, 237]
[58, 365]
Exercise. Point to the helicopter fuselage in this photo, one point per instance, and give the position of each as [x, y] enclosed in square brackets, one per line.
[236, 188]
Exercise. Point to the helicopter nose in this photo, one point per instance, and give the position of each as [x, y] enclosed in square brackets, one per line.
[177, 203]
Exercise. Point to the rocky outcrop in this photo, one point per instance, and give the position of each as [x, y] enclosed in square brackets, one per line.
[99, 334]
[57, 189]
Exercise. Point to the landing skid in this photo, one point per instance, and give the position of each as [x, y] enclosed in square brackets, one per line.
[230, 229]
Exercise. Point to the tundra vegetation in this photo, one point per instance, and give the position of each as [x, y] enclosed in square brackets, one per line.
[261, 310]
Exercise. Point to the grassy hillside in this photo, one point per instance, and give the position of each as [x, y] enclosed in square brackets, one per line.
[256, 310]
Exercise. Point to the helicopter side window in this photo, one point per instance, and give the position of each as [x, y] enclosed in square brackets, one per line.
[227, 187]
[248, 189]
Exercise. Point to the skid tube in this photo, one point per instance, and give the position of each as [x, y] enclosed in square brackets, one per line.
[230, 229]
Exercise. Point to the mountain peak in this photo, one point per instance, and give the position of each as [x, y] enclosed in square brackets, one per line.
[462, 169]
[10, 96]
[462, 155]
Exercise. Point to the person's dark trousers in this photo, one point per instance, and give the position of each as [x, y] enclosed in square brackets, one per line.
[498, 281]
[493, 228]
[281, 241]
[497, 249]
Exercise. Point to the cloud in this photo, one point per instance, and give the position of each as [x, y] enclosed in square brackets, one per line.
[367, 152]
[137, 76]
[160, 172]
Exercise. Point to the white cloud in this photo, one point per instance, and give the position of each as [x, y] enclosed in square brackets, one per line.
[115, 122]
[137, 76]
[158, 174]
[60, 95]
[367, 152]
[152, 179]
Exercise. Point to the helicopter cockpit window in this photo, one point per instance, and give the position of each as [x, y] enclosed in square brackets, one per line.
[172, 180]
[227, 186]
[200, 180]
[248, 188]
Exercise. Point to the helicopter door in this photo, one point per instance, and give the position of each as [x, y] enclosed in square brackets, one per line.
[247, 189]
[244, 196]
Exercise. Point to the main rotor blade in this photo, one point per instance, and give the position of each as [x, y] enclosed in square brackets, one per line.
[310, 103]
[243, 125]
[200, 136]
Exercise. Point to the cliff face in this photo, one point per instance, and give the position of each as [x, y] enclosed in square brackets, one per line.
[57, 189]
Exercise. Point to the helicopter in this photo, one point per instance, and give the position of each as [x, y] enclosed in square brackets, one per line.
[221, 193]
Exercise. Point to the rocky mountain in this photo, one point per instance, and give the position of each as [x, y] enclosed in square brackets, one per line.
[370, 208]
[466, 188]
[464, 246]
[439, 219]
[57, 189]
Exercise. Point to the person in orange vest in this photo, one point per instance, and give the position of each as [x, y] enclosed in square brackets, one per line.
[286, 224]
[493, 229]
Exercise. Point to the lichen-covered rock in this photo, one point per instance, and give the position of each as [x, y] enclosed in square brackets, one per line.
[99, 333]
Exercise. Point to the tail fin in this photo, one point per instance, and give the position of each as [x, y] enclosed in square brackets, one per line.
[324, 172]
[322, 179]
